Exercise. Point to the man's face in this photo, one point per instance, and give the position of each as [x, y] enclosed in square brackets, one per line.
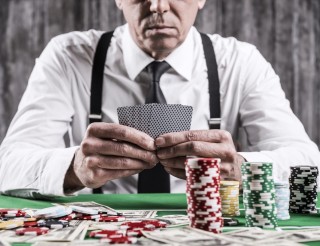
[159, 26]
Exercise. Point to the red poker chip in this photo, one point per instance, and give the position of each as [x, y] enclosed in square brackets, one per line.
[106, 218]
[30, 224]
[32, 231]
[68, 217]
[144, 224]
[119, 239]
[88, 217]
[105, 233]
[9, 210]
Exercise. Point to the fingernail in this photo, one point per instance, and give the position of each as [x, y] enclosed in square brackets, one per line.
[160, 141]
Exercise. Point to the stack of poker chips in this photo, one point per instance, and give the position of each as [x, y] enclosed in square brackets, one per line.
[229, 192]
[259, 195]
[282, 200]
[204, 202]
[303, 189]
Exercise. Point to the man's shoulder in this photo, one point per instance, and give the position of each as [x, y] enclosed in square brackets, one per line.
[88, 38]
[77, 38]
[230, 44]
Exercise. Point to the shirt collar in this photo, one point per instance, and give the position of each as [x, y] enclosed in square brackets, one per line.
[135, 60]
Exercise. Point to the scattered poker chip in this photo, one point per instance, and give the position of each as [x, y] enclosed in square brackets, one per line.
[303, 189]
[11, 224]
[230, 222]
[30, 223]
[36, 231]
[105, 233]
[84, 210]
[106, 218]
[119, 239]
[68, 217]
[203, 197]
[259, 195]
[88, 217]
[53, 212]
[143, 224]
[53, 224]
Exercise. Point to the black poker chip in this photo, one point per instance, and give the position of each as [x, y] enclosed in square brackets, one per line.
[53, 224]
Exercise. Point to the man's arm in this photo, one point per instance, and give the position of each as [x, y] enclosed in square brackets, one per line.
[274, 133]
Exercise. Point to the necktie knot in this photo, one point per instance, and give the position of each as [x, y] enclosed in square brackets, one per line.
[155, 94]
[158, 69]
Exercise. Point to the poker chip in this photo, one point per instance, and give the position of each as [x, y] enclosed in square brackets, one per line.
[53, 212]
[230, 222]
[10, 224]
[229, 192]
[259, 195]
[106, 218]
[84, 210]
[303, 189]
[203, 197]
[53, 224]
[36, 231]
[143, 224]
[105, 233]
[68, 217]
[30, 223]
[119, 239]
[282, 193]
[88, 217]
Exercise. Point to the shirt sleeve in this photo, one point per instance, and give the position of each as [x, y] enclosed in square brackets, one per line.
[34, 154]
[274, 133]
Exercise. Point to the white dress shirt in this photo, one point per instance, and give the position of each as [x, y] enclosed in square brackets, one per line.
[56, 102]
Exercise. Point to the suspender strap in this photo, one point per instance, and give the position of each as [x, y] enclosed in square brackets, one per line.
[214, 84]
[99, 62]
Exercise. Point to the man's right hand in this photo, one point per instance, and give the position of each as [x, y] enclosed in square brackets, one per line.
[109, 151]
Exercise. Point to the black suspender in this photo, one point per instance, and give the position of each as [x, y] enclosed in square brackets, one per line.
[98, 73]
[99, 62]
[214, 84]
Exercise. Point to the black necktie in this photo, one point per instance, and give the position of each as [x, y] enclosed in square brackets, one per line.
[155, 180]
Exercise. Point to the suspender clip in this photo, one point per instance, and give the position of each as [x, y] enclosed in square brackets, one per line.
[214, 123]
[95, 118]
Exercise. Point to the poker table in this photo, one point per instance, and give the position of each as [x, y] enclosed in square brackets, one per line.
[166, 203]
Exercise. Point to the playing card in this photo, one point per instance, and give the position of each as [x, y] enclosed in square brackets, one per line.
[156, 119]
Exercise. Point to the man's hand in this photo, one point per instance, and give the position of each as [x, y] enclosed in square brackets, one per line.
[109, 151]
[174, 147]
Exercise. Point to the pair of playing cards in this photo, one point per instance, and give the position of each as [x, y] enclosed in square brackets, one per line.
[156, 119]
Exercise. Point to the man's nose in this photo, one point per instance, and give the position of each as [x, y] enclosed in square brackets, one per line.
[159, 6]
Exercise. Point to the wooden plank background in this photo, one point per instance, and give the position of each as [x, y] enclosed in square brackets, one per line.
[287, 32]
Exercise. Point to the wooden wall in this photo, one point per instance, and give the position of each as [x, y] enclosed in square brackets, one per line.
[287, 32]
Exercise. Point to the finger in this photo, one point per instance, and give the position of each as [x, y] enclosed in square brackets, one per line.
[179, 173]
[213, 136]
[116, 163]
[178, 162]
[120, 132]
[91, 146]
[197, 148]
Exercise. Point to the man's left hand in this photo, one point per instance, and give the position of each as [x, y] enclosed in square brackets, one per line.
[174, 147]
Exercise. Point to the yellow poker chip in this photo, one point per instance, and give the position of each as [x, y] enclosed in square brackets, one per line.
[10, 224]
[229, 192]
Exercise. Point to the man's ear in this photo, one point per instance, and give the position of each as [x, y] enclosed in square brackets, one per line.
[119, 4]
[201, 3]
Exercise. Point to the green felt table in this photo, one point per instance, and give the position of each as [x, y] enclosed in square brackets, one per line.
[167, 203]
